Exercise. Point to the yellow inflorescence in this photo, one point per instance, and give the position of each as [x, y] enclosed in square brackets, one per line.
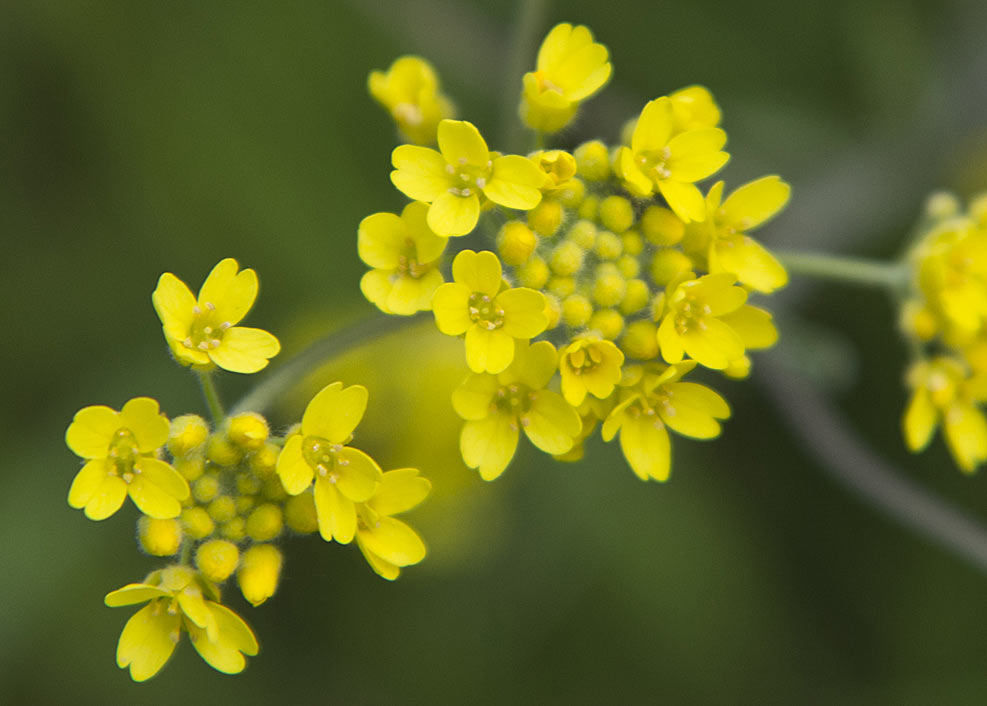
[609, 261]
[219, 497]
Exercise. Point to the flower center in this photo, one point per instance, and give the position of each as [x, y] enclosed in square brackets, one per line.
[690, 313]
[206, 331]
[407, 113]
[484, 312]
[123, 454]
[514, 399]
[653, 163]
[468, 179]
[408, 264]
[544, 84]
[585, 360]
[323, 456]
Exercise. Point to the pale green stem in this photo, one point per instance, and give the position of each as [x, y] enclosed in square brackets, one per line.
[524, 39]
[211, 396]
[850, 270]
[333, 344]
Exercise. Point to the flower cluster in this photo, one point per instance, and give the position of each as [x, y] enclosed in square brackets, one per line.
[219, 498]
[610, 273]
[944, 317]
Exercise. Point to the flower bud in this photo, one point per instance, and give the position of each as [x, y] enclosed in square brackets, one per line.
[608, 322]
[608, 245]
[223, 452]
[553, 310]
[616, 213]
[217, 559]
[299, 514]
[640, 340]
[546, 217]
[264, 461]
[264, 523]
[583, 234]
[205, 488]
[561, 287]
[567, 258]
[197, 523]
[571, 193]
[515, 243]
[222, 508]
[187, 436]
[637, 297]
[592, 160]
[576, 310]
[633, 243]
[159, 537]
[609, 287]
[234, 530]
[661, 226]
[248, 431]
[534, 273]
[191, 467]
[589, 208]
[259, 573]
[667, 264]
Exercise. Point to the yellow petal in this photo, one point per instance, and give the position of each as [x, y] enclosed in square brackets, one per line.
[409, 295]
[488, 351]
[133, 593]
[428, 245]
[700, 397]
[152, 500]
[419, 172]
[473, 398]
[143, 417]
[233, 631]
[107, 498]
[714, 346]
[295, 473]
[536, 365]
[175, 305]
[669, 341]
[91, 431]
[515, 183]
[551, 423]
[400, 490]
[450, 305]
[245, 350]
[752, 264]
[754, 326]
[382, 568]
[335, 412]
[688, 416]
[754, 203]
[489, 444]
[636, 181]
[646, 447]
[357, 475]
[393, 541]
[164, 476]
[654, 126]
[584, 72]
[920, 420]
[376, 287]
[461, 144]
[337, 514]
[695, 154]
[147, 641]
[965, 429]
[193, 605]
[381, 240]
[232, 293]
[717, 292]
[454, 215]
[524, 312]
[478, 271]
[684, 199]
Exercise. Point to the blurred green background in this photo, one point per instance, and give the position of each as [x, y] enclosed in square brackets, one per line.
[147, 137]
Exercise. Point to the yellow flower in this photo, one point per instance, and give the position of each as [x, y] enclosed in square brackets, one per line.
[723, 238]
[656, 401]
[453, 179]
[558, 166]
[570, 68]
[119, 448]
[693, 107]
[944, 392]
[491, 319]
[410, 92]
[203, 333]
[404, 252]
[658, 159]
[694, 322]
[179, 600]
[496, 407]
[343, 475]
[387, 543]
[589, 364]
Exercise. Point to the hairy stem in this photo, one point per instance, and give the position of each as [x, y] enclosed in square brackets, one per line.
[211, 396]
[851, 270]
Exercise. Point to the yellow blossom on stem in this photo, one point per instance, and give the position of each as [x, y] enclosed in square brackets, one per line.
[660, 160]
[409, 90]
[202, 332]
[388, 544]
[693, 315]
[943, 392]
[120, 450]
[589, 364]
[725, 227]
[178, 599]
[497, 407]
[453, 179]
[657, 401]
[570, 68]
[491, 319]
[404, 253]
[558, 166]
[342, 474]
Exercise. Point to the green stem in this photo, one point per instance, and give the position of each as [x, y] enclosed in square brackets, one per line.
[186, 554]
[530, 19]
[851, 270]
[333, 344]
[211, 396]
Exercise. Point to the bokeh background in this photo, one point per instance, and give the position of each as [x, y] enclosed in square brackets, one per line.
[145, 137]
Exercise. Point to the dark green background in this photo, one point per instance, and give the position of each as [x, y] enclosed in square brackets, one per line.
[142, 137]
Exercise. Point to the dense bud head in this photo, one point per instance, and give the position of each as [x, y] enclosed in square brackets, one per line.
[593, 160]
[264, 523]
[223, 452]
[567, 258]
[299, 514]
[516, 242]
[640, 340]
[608, 322]
[159, 537]
[217, 559]
[546, 218]
[576, 310]
[248, 431]
[661, 226]
[534, 273]
[197, 523]
[259, 572]
[616, 213]
[187, 436]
